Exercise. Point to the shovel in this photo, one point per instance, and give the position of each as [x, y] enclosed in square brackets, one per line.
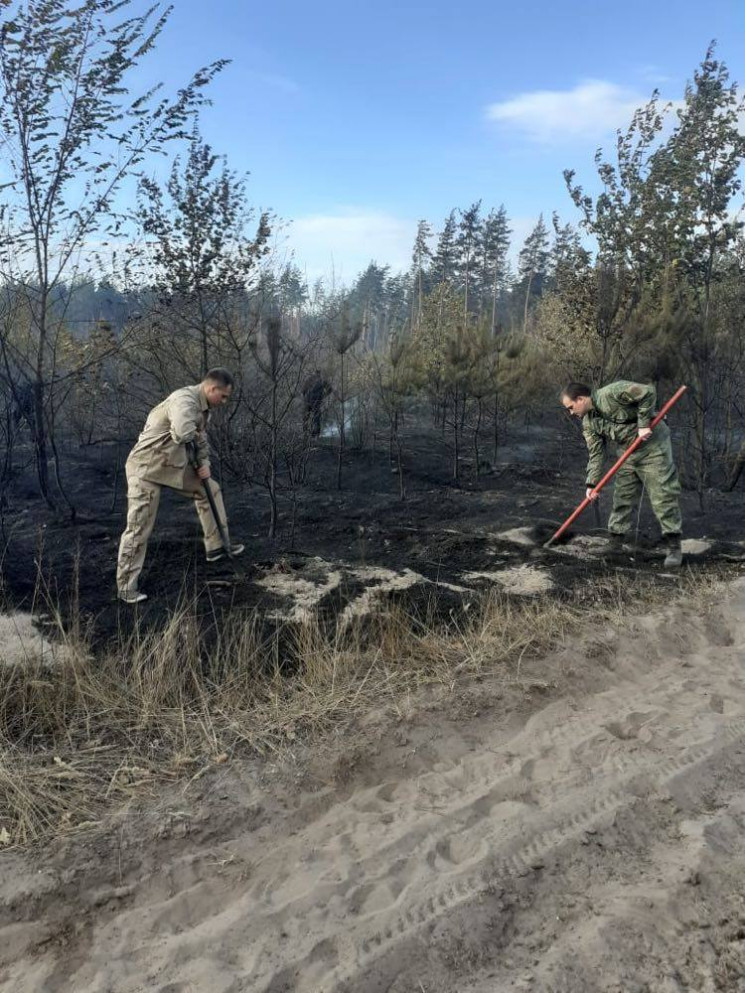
[191, 449]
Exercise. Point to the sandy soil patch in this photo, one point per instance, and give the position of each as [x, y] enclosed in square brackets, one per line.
[22, 643]
[303, 589]
[593, 841]
[519, 536]
[523, 580]
[583, 546]
[695, 546]
[379, 583]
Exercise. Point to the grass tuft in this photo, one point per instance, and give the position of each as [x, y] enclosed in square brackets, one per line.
[80, 733]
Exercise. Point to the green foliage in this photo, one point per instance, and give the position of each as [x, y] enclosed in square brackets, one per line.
[71, 134]
[199, 246]
[664, 225]
[533, 266]
[203, 262]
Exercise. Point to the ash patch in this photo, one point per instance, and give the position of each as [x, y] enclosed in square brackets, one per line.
[522, 580]
[378, 582]
[22, 643]
[301, 590]
[519, 536]
[695, 546]
[584, 546]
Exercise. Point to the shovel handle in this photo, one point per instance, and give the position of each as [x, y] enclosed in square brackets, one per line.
[191, 451]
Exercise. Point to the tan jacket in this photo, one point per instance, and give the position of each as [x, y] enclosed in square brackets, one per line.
[160, 453]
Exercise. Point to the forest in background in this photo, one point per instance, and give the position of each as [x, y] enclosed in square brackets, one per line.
[104, 309]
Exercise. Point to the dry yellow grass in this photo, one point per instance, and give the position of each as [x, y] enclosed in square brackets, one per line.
[80, 735]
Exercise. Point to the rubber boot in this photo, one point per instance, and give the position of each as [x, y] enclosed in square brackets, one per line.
[674, 557]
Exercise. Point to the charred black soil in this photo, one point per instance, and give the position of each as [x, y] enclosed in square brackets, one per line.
[446, 539]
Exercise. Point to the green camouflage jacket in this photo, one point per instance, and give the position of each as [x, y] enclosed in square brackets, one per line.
[619, 410]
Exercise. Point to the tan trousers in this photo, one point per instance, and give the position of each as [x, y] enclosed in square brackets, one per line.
[143, 498]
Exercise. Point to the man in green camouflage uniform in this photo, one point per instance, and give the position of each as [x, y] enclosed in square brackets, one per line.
[621, 412]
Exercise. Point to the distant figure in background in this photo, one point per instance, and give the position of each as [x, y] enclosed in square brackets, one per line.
[23, 406]
[621, 412]
[315, 390]
[160, 458]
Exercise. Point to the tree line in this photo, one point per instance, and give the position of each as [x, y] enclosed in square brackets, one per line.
[104, 307]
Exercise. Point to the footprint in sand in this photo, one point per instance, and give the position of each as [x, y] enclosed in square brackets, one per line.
[372, 898]
[631, 725]
[507, 795]
[459, 849]
[387, 792]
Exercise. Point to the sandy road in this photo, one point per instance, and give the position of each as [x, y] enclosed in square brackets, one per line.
[596, 845]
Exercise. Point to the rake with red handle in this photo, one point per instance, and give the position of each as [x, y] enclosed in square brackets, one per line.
[614, 469]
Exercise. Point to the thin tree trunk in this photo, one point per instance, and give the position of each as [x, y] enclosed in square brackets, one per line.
[117, 474]
[737, 468]
[456, 438]
[700, 449]
[40, 444]
[496, 426]
[58, 478]
[465, 302]
[341, 427]
[527, 301]
[476, 433]
[273, 467]
[400, 462]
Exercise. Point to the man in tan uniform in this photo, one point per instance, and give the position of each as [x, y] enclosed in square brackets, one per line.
[160, 458]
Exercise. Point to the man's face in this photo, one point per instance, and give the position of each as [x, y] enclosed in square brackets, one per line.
[578, 407]
[216, 394]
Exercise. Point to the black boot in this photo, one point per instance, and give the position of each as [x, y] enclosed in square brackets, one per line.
[674, 557]
[616, 541]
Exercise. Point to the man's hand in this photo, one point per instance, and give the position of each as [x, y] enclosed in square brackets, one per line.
[644, 433]
[204, 472]
[590, 493]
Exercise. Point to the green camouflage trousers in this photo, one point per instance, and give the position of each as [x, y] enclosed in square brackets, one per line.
[650, 469]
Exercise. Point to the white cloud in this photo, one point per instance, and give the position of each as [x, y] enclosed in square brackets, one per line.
[339, 246]
[592, 109]
[655, 75]
[277, 82]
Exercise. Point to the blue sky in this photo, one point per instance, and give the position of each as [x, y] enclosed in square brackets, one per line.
[356, 120]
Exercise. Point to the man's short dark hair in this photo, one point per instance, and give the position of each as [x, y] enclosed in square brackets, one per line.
[575, 390]
[221, 377]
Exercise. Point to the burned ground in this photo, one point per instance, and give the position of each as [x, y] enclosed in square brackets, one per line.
[354, 547]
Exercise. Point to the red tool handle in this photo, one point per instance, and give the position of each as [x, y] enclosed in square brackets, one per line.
[614, 469]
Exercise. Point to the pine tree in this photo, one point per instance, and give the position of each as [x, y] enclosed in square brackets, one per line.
[568, 257]
[467, 244]
[495, 245]
[533, 265]
[444, 262]
[421, 260]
